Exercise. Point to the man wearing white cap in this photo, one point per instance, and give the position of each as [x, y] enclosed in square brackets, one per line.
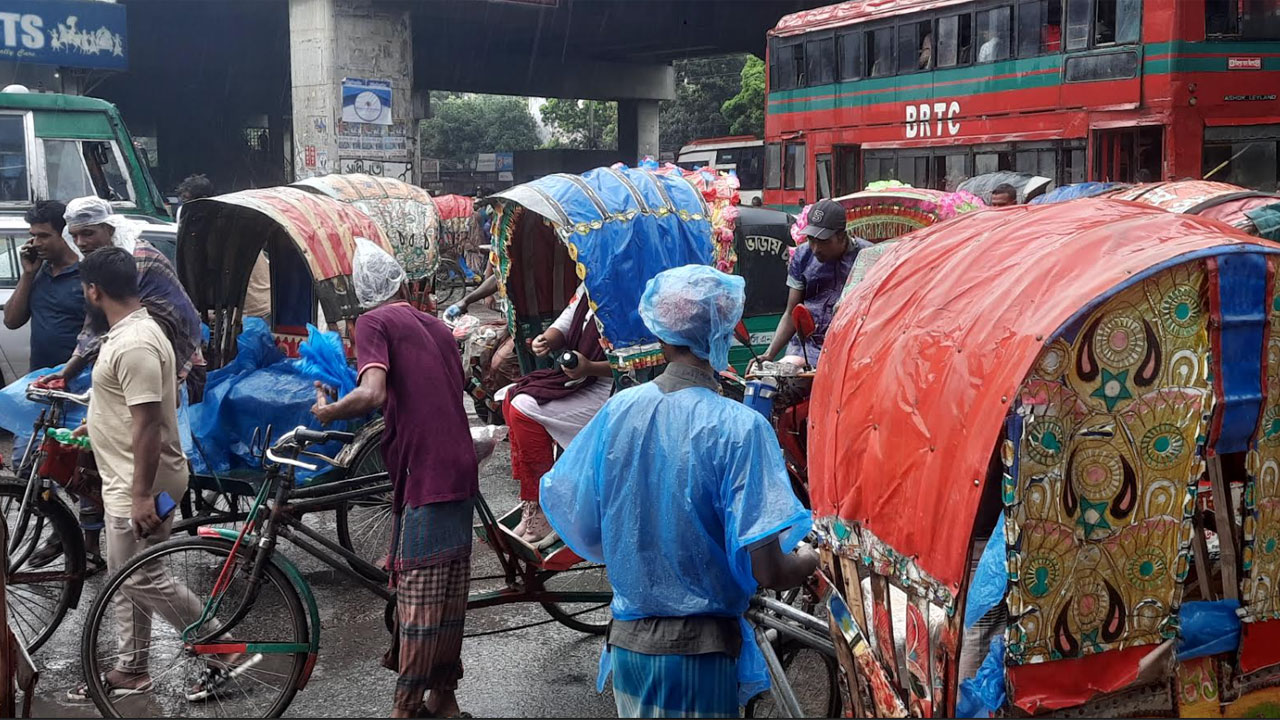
[93, 224]
[410, 369]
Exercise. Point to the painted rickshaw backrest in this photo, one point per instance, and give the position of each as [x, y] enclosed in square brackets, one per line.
[1110, 431]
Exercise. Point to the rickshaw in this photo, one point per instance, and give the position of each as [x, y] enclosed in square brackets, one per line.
[762, 243]
[310, 239]
[611, 230]
[1026, 428]
[1253, 211]
[406, 215]
[463, 260]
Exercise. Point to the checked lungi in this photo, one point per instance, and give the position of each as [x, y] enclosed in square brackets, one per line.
[431, 570]
[674, 686]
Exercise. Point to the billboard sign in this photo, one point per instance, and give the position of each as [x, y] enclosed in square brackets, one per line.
[68, 33]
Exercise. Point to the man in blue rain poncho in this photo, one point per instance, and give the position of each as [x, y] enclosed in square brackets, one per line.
[682, 493]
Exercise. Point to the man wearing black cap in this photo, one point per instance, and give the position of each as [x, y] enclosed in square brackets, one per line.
[816, 277]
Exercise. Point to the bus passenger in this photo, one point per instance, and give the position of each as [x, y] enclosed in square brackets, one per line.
[926, 52]
[682, 494]
[816, 276]
[1003, 195]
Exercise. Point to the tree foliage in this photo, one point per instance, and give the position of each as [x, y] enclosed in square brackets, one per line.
[745, 111]
[463, 125]
[581, 124]
[703, 85]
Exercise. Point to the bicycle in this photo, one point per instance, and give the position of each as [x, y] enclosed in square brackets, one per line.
[41, 590]
[801, 658]
[254, 601]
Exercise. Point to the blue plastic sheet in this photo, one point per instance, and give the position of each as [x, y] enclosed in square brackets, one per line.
[1073, 192]
[1208, 628]
[709, 475]
[322, 358]
[18, 414]
[619, 242]
[260, 388]
[990, 580]
[983, 694]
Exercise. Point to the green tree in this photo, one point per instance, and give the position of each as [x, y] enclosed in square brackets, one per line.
[581, 124]
[703, 85]
[745, 111]
[463, 125]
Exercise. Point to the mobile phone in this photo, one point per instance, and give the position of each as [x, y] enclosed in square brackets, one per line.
[29, 252]
[164, 505]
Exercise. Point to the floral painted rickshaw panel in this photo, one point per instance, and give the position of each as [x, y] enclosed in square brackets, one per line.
[1260, 596]
[1110, 427]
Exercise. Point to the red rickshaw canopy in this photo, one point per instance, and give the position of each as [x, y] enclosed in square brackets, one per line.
[923, 359]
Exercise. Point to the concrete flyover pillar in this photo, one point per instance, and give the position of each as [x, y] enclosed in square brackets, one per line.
[367, 45]
[637, 129]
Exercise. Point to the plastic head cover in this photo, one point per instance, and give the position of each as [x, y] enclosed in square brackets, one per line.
[695, 306]
[376, 275]
[93, 210]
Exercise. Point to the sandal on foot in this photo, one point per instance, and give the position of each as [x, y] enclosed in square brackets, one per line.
[94, 564]
[80, 693]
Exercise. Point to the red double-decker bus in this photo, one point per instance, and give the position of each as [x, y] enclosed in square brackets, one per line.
[930, 92]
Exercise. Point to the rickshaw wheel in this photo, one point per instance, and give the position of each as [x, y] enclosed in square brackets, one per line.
[363, 526]
[450, 282]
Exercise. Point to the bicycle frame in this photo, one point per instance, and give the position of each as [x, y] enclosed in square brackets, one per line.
[524, 581]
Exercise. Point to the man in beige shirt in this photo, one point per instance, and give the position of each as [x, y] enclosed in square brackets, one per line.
[133, 429]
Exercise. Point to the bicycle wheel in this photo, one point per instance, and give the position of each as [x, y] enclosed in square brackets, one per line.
[203, 508]
[450, 282]
[275, 617]
[588, 616]
[364, 525]
[813, 676]
[38, 598]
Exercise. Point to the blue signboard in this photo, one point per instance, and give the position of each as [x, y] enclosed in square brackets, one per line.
[70, 33]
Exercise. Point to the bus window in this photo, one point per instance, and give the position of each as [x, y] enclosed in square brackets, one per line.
[914, 170]
[1037, 162]
[1116, 21]
[820, 59]
[950, 170]
[846, 169]
[1247, 155]
[795, 166]
[1039, 27]
[955, 40]
[13, 160]
[823, 165]
[750, 168]
[993, 34]
[879, 52]
[788, 68]
[915, 47]
[878, 167]
[1253, 19]
[989, 162]
[1078, 24]
[1073, 165]
[851, 56]
[773, 166]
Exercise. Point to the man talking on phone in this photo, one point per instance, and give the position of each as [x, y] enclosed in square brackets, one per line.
[133, 429]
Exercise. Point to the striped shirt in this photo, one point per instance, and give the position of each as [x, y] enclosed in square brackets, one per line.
[167, 303]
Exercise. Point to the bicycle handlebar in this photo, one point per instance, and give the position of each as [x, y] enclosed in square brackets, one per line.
[305, 436]
[40, 394]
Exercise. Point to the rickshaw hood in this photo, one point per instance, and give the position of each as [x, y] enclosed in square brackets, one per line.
[923, 358]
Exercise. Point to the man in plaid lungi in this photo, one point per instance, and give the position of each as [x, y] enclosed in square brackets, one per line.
[411, 370]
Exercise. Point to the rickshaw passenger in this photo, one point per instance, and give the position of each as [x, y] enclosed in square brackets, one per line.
[549, 407]
[93, 225]
[816, 276]
[410, 369]
[682, 493]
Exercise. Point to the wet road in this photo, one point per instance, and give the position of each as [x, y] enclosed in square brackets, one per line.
[543, 671]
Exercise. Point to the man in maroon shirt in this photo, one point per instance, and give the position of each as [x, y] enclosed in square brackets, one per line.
[409, 367]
